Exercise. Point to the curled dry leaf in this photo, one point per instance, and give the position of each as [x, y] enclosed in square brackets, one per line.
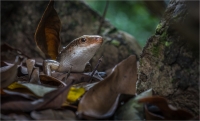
[53, 115]
[166, 111]
[44, 79]
[22, 70]
[35, 76]
[9, 73]
[53, 99]
[47, 35]
[30, 65]
[102, 99]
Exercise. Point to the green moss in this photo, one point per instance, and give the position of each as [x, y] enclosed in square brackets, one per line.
[155, 51]
[140, 61]
[164, 36]
[115, 42]
[163, 39]
[167, 44]
[162, 42]
[158, 27]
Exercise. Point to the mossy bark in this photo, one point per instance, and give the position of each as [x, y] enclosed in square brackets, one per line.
[169, 62]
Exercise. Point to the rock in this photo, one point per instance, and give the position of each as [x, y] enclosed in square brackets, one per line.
[168, 65]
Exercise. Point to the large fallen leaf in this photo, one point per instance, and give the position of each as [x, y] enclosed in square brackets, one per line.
[38, 90]
[85, 85]
[102, 99]
[9, 73]
[47, 35]
[166, 111]
[53, 115]
[132, 110]
[53, 99]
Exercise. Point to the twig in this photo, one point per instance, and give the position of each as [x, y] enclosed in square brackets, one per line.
[95, 69]
[103, 17]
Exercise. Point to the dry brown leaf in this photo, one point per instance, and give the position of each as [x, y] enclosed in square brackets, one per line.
[44, 79]
[53, 115]
[53, 99]
[15, 96]
[47, 35]
[9, 73]
[167, 111]
[102, 99]
[2, 92]
[30, 65]
[75, 77]
[6, 51]
[35, 76]
[22, 70]
[3, 63]
[85, 85]
[16, 117]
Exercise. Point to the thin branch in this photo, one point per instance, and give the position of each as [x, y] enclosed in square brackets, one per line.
[103, 17]
[100, 60]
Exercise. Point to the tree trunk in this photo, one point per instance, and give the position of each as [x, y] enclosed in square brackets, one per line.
[169, 61]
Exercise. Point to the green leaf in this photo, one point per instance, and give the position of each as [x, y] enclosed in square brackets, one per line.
[132, 110]
[38, 90]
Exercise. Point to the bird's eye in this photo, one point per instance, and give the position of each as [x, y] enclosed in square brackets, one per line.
[83, 39]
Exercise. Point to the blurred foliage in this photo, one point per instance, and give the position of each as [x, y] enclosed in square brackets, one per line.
[130, 16]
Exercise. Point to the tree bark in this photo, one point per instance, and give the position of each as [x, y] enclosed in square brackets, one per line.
[169, 63]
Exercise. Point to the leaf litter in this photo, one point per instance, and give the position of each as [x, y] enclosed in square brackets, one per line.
[29, 94]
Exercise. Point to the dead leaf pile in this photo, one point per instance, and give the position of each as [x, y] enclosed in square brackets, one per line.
[111, 98]
[28, 94]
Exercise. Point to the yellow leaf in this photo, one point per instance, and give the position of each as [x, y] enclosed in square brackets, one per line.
[36, 89]
[75, 93]
[15, 85]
